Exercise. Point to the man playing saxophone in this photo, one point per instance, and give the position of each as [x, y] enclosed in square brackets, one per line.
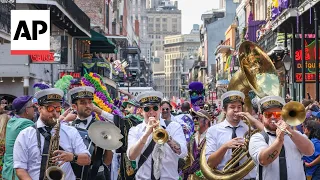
[201, 120]
[278, 155]
[223, 137]
[31, 148]
[155, 160]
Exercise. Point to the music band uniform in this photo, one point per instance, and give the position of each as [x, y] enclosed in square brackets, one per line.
[169, 165]
[97, 169]
[222, 132]
[26, 153]
[293, 157]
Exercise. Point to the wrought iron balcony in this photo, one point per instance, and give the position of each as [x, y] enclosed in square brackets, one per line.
[5, 14]
[268, 41]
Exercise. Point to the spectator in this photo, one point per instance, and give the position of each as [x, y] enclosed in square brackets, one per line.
[4, 118]
[311, 128]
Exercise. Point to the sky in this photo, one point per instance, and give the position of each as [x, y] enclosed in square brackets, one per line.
[192, 10]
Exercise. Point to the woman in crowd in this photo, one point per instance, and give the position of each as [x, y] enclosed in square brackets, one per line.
[4, 118]
[311, 128]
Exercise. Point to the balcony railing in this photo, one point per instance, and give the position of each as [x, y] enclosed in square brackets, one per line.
[77, 14]
[5, 14]
[268, 41]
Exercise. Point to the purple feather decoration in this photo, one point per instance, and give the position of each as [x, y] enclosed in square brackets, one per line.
[41, 86]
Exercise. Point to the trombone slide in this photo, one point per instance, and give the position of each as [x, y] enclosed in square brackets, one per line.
[284, 130]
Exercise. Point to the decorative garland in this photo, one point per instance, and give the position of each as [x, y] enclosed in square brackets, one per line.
[101, 97]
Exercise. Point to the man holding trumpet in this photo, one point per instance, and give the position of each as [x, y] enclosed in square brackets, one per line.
[277, 151]
[155, 160]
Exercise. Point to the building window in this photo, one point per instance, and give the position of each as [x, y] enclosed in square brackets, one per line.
[164, 27]
[174, 20]
[164, 19]
[157, 19]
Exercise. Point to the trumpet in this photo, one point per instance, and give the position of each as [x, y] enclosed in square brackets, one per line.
[294, 114]
[160, 135]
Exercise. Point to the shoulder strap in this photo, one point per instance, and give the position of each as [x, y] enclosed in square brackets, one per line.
[144, 156]
[38, 136]
[266, 138]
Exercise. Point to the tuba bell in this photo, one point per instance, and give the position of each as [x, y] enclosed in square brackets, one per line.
[256, 73]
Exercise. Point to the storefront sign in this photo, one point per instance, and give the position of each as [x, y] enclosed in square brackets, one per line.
[42, 58]
[310, 65]
[75, 75]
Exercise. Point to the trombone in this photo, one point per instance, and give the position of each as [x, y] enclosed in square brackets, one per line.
[294, 114]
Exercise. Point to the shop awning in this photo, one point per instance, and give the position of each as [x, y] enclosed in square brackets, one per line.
[100, 43]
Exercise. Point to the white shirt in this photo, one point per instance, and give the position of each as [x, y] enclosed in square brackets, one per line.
[295, 169]
[108, 116]
[220, 134]
[169, 169]
[26, 154]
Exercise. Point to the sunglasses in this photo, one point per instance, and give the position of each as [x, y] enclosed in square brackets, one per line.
[165, 109]
[52, 108]
[147, 109]
[277, 115]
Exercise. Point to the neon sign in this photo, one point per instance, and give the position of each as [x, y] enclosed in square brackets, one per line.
[310, 64]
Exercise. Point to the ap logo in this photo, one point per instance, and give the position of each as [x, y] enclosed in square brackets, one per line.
[30, 32]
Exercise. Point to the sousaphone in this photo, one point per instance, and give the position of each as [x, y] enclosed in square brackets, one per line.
[256, 73]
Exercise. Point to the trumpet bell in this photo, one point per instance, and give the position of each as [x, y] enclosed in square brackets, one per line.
[105, 135]
[293, 113]
[160, 136]
[55, 173]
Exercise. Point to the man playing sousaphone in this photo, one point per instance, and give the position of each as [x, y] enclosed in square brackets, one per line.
[227, 135]
[156, 160]
[277, 154]
[201, 120]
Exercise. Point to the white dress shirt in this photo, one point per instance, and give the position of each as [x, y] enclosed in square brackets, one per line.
[220, 134]
[295, 169]
[26, 154]
[169, 169]
[108, 116]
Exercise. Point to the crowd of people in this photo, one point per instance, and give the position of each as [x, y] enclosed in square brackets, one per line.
[278, 150]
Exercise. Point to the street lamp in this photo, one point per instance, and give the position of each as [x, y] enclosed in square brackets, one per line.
[287, 66]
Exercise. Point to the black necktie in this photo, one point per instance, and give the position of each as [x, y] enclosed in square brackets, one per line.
[84, 121]
[234, 134]
[282, 161]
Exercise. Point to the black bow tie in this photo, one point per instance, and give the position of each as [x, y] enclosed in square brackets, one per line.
[84, 121]
[271, 134]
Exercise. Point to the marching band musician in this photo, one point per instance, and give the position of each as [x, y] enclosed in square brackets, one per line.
[277, 154]
[223, 137]
[201, 120]
[132, 119]
[81, 99]
[31, 148]
[155, 161]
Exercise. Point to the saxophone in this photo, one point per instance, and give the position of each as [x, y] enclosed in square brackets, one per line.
[54, 172]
